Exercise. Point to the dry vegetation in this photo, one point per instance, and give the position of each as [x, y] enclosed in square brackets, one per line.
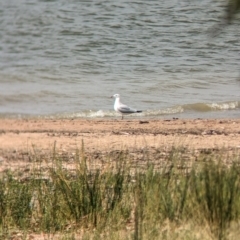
[172, 179]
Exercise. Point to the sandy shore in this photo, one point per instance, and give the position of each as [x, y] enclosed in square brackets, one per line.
[20, 137]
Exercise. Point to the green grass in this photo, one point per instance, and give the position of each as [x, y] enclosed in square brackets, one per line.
[119, 202]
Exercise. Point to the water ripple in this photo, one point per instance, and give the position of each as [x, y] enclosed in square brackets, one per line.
[58, 56]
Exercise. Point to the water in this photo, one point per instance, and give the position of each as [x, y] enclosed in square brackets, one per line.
[66, 58]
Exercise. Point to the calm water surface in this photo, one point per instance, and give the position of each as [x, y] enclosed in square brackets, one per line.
[66, 58]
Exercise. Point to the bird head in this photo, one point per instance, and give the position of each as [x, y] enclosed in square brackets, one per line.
[115, 96]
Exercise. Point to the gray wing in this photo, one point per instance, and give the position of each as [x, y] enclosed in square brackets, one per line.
[125, 109]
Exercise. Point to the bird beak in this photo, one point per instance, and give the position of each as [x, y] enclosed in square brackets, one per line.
[111, 97]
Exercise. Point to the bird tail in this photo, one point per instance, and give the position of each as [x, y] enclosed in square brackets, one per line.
[139, 111]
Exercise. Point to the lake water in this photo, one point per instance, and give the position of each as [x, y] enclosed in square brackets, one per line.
[66, 58]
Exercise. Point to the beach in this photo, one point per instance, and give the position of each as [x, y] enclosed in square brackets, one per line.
[42, 149]
[22, 139]
[70, 168]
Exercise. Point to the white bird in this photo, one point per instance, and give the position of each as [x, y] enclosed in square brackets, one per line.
[121, 108]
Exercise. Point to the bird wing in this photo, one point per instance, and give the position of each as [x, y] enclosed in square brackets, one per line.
[125, 109]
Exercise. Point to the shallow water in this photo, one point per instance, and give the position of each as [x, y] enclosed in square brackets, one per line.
[65, 59]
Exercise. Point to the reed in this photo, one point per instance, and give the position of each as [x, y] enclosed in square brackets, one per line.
[173, 202]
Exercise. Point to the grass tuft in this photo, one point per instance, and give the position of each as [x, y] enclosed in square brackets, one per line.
[172, 202]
